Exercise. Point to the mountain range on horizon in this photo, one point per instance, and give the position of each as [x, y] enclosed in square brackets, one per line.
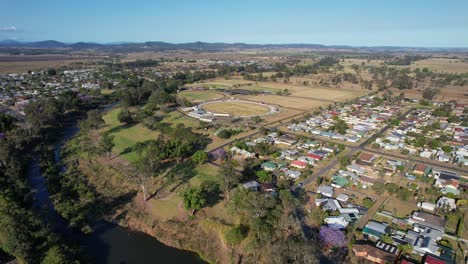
[126, 46]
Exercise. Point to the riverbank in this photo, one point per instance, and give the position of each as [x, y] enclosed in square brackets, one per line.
[109, 243]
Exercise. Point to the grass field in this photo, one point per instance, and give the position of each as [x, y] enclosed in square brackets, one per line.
[236, 108]
[288, 102]
[167, 208]
[200, 96]
[442, 65]
[176, 117]
[399, 208]
[125, 137]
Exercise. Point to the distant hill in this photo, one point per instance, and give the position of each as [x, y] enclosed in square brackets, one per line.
[11, 45]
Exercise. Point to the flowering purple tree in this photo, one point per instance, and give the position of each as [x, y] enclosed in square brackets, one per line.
[331, 237]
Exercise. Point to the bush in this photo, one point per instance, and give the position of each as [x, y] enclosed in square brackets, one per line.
[235, 235]
[367, 202]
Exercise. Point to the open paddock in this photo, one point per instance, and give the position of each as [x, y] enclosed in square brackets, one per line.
[200, 96]
[237, 108]
[287, 102]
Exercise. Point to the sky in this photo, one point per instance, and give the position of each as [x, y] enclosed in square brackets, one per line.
[411, 23]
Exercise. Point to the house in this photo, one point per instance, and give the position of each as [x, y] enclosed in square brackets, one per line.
[299, 164]
[373, 254]
[421, 170]
[429, 220]
[252, 185]
[325, 190]
[423, 242]
[375, 229]
[328, 204]
[268, 166]
[356, 169]
[342, 197]
[446, 203]
[427, 206]
[285, 139]
[339, 182]
[314, 156]
[292, 174]
[336, 222]
[366, 158]
[267, 187]
[242, 153]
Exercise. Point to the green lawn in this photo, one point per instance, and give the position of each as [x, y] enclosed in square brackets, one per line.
[125, 137]
[205, 172]
[200, 96]
[176, 117]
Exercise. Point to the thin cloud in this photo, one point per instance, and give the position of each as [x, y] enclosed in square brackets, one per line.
[8, 29]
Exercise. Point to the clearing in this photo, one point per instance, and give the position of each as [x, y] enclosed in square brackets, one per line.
[237, 108]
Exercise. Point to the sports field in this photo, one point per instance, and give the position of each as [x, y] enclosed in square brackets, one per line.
[236, 108]
[200, 96]
[288, 102]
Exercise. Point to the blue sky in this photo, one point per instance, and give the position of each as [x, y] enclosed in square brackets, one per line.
[425, 23]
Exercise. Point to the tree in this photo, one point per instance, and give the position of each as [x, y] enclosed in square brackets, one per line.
[263, 176]
[200, 157]
[318, 215]
[430, 93]
[51, 71]
[406, 248]
[367, 202]
[194, 199]
[224, 134]
[345, 161]
[106, 144]
[146, 167]
[256, 119]
[230, 177]
[331, 237]
[235, 235]
[378, 187]
[93, 120]
[124, 116]
[386, 239]
[55, 255]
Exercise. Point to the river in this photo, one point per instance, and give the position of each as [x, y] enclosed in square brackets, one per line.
[109, 243]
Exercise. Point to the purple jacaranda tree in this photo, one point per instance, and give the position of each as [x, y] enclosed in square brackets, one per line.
[331, 237]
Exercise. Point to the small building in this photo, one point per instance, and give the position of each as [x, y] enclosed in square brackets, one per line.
[268, 166]
[336, 222]
[342, 197]
[427, 206]
[367, 158]
[298, 164]
[292, 174]
[268, 187]
[447, 203]
[252, 185]
[339, 182]
[373, 254]
[375, 229]
[325, 190]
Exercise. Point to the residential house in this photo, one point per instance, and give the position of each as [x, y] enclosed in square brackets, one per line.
[336, 222]
[375, 229]
[427, 219]
[374, 254]
[328, 204]
[428, 259]
[366, 159]
[339, 182]
[421, 170]
[427, 206]
[292, 174]
[447, 203]
[252, 185]
[325, 190]
[268, 187]
[268, 166]
[342, 197]
[298, 164]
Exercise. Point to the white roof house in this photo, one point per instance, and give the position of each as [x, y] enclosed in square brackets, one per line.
[427, 206]
[446, 202]
[325, 190]
[342, 197]
[336, 222]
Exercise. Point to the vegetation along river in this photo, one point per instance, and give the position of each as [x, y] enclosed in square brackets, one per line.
[109, 243]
